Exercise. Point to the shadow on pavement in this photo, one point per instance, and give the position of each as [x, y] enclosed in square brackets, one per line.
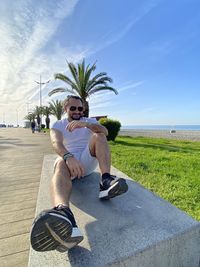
[107, 222]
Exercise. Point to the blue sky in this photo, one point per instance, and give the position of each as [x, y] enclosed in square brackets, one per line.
[150, 48]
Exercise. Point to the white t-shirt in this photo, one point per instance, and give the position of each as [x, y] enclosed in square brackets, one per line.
[77, 140]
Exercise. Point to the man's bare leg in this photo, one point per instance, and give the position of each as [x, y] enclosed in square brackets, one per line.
[99, 148]
[61, 185]
[110, 186]
[56, 228]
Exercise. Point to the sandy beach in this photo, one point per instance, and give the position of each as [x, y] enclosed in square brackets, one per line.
[179, 134]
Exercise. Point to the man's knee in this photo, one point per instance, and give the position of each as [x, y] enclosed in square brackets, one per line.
[99, 137]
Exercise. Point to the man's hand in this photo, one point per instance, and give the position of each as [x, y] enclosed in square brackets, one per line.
[94, 127]
[75, 124]
[75, 167]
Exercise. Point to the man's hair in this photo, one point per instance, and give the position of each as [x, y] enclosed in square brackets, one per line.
[69, 97]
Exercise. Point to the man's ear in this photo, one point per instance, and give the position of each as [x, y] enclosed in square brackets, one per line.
[65, 108]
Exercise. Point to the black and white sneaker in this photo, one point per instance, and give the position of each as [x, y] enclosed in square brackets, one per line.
[55, 228]
[111, 187]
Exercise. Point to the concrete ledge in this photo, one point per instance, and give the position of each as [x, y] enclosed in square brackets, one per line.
[138, 229]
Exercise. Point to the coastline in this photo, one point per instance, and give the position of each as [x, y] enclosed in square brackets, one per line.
[190, 135]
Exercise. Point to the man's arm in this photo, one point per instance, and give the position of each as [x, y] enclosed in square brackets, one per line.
[57, 142]
[75, 167]
[97, 128]
[94, 127]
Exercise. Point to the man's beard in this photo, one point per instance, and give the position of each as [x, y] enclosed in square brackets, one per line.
[76, 117]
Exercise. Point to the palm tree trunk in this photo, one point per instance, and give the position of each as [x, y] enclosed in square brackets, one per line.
[86, 108]
[47, 122]
[38, 120]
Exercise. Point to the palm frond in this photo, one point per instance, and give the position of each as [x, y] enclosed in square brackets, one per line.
[56, 108]
[74, 73]
[30, 117]
[102, 88]
[99, 75]
[46, 111]
[101, 81]
[64, 78]
[88, 72]
[37, 111]
[60, 90]
[81, 74]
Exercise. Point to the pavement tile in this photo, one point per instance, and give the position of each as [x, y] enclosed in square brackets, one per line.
[15, 260]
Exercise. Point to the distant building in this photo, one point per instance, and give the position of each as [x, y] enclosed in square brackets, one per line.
[27, 124]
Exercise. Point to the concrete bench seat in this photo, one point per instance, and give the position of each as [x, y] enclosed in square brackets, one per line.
[137, 229]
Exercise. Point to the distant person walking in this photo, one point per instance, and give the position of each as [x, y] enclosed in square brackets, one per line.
[33, 126]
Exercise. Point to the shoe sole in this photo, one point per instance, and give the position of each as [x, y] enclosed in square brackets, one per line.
[49, 231]
[73, 241]
[120, 187]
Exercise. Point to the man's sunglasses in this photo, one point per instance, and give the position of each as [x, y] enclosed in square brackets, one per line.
[73, 108]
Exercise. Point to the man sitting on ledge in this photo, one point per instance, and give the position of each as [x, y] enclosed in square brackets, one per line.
[81, 145]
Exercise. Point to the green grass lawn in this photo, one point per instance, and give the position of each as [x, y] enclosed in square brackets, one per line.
[169, 168]
[45, 130]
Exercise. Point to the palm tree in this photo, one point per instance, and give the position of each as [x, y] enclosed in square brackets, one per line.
[46, 111]
[82, 84]
[56, 108]
[38, 113]
[30, 117]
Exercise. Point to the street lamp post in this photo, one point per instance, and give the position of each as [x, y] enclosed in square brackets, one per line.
[27, 107]
[3, 117]
[17, 118]
[40, 84]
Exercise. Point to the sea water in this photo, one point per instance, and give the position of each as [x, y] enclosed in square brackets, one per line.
[162, 127]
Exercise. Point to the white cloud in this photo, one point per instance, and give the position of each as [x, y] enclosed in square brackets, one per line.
[27, 28]
[130, 86]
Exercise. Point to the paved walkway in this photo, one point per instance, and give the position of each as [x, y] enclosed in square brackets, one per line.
[21, 158]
